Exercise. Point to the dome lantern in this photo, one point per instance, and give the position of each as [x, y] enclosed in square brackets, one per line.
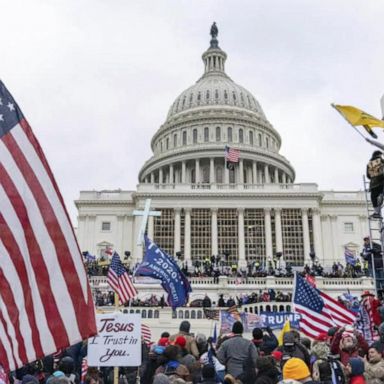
[214, 58]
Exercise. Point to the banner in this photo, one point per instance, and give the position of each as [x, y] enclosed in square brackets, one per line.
[118, 342]
[273, 320]
[159, 265]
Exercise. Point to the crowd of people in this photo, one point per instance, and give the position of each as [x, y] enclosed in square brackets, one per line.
[339, 356]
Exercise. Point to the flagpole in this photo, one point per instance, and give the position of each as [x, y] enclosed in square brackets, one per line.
[116, 369]
[334, 106]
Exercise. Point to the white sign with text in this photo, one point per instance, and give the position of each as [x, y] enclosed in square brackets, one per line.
[118, 342]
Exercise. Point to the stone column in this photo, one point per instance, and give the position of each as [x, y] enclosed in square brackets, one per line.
[197, 171]
[254, 172]
[284, 178]
[276, 175]
[226, 175]
[249, 175]
[268, 233]
[211, 170]
[215, 246]
[177, 234]
[334, 232]
[317, 237]
[242, 262]
[266, 174]
[151, 227]
[171, 174]
[306, 241]
[187, 236]
[241, 172]
[161, 179]
[152, 178]
[279, 236]
[183, 171]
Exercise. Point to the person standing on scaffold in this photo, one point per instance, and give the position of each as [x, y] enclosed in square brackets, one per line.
[375, 173]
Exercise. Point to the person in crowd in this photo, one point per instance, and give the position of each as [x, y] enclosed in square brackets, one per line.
[67, 366]
[190, 345]
[208, 374]
[374, 366]
[202, 343]
[266, 370]
[236, 350]
[221, 302]
[265, 343]
[207, 302]
[296, 369]
[293, 348]
[160, 378]
[171, 365]
[375, 173]
[347, 343]
[355, 370]
[379, 344]
[372, 255]
[209, 357]
[29, 379]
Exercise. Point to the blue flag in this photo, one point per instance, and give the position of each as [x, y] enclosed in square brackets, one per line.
[350, 257]
[159, 265]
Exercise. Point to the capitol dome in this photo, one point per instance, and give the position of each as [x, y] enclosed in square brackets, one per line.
[215, 88]
[214, 113]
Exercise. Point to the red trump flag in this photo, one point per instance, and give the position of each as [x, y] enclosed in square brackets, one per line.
[45, 299]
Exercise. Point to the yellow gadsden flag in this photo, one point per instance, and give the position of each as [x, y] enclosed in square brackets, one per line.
[286, 328]
[356, 116]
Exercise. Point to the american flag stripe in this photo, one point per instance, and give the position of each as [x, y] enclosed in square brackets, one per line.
[46, 303]
[146, 333]
[49, 289]
[33, 176]
[21, 291]
[318, 311]
[232, 155]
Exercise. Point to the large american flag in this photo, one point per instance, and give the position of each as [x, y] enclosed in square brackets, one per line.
[318, 311]
[45, 299]
[146, 334]
[118, 278]
[232, 155]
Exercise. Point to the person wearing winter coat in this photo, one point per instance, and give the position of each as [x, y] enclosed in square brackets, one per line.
[293, 348]
[347, 344]
[355, 370]
[265, 343]
[374, 366]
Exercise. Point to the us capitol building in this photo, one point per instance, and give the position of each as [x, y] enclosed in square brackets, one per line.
[245, 214]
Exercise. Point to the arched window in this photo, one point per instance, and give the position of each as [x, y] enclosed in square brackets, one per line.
[230, 138]
[184, 98]
[186, 315]
[193, 176]
[207, 95]
[241, 136]
[225, 96]
[267, 142]
[190, 99]
[184, 137]
[218, 134]
[217, 96]
[234, 97]
[167, 143]
[143, 313]
[206, 134]
[150, 313]
[181, 314]
[156, 314]
[198, 98]
[161, 146]
[251, 137]
[260, 140]
[194, 135]
[199, 315]
[193, 314]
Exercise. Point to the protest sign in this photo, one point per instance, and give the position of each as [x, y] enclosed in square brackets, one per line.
[118, 342]
[273, 320]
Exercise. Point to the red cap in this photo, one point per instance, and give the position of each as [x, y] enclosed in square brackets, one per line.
[277, 355]
[180, 341]
[322, 337]
[163, 342]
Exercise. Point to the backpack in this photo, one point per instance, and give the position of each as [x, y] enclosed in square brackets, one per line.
[375, 167]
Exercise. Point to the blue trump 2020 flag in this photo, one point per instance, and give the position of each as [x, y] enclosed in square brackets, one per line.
[159, 265]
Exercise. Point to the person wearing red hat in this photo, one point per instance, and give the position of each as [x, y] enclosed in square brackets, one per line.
[347, 343]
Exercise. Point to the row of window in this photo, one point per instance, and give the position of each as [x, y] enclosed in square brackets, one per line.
[214, 97]
[253, 223]
[251, 139]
